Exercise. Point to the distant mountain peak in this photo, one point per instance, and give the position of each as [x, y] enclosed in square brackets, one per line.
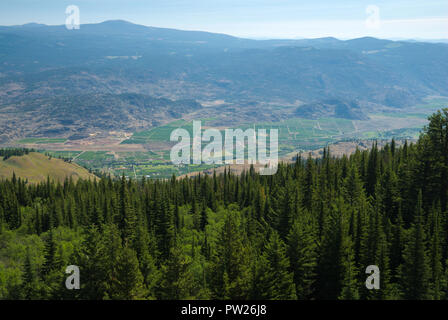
[117, 22]
[32, 25]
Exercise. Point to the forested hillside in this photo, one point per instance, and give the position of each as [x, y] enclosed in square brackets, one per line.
[307, 232]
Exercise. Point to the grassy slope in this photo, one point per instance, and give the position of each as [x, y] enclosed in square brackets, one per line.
[36, 167]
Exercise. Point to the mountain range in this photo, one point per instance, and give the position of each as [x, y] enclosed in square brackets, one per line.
[118, 75]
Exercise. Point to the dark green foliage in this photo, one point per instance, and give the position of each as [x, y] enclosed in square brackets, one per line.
[127, 283]
[415, 270]
[303, 254]
[273, 279]
[177, 278]
[230, 267]
[9, 152]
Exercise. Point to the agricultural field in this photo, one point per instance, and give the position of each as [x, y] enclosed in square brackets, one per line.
[295, 135]
[41, 140]
[131, 164]
[147, 153]
[161, 133]
[62, 154]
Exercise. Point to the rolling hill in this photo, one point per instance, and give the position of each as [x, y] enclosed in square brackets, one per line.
[80, 115]
[331, 108]
[35, 167]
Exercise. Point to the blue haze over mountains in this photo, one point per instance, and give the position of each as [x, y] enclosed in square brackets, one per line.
[120, 67]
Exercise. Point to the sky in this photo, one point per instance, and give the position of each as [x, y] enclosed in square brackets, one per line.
[344, 19]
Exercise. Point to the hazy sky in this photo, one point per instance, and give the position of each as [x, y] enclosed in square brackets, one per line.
[423, 19]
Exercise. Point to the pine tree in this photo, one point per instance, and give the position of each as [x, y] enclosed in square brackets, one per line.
[30, 284]
[127, 280]
[177, 279]
[147, 263]
[436, 254]
[90, 258]
[372, 170]
[230, 268]
[415, 270]
[204, 219]
[328, 263]
[273, 279]
[164, 228]
[50, 253]
[2, 220]
[303, 255]
[128, 216]
[397, 247]
[308, 185]
[348, 271]
[285, 214]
